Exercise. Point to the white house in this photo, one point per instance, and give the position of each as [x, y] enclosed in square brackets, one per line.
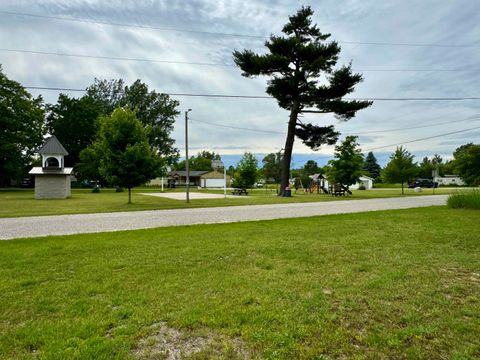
[366, 181]
[449, 180]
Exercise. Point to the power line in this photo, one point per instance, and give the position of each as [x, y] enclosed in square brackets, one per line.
[422, 139]
[415, 127]
[121, 58]
[252, 36]
[272, 98]
[88, 21]
[239, 128]
[112, 57]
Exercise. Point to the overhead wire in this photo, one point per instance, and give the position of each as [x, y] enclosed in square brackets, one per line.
[270, 97]
[252, 36]
[422, 139]
[182, 62]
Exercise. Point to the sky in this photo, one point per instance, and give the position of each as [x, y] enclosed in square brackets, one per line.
[433, 51]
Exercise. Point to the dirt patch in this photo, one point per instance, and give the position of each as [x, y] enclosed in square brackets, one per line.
[171, 344]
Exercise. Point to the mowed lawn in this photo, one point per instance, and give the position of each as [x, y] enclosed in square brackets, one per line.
[380, 285]
[15, 203]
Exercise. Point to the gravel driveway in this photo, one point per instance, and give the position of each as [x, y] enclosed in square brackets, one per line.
[11, 228]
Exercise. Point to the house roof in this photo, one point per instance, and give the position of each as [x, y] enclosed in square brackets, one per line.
[42, 171]
[52, 147]
[366, 177]
[193, 173]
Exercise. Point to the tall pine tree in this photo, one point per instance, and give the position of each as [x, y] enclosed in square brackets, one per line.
[303, 80]
[371, 166]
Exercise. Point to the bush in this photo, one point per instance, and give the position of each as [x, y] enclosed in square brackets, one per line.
[464, 200]
[362, 187]
[119, 189]
[96, 190]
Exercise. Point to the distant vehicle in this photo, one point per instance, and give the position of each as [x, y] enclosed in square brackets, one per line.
[426, 183]
[258, 185]
[27, 183]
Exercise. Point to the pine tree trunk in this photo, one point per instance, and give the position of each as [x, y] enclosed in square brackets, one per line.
[287, 154]
[129, 195]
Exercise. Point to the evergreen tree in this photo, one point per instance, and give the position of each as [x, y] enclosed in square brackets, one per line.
[303, 79]
[371, 166]
[401, 167]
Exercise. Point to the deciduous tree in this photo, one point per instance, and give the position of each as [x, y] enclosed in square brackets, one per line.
[347, 167]
[124, 154]
[401, 167]
[303, 79]
[22, 127]
[246, 173]
[156, 111]
[466, 163]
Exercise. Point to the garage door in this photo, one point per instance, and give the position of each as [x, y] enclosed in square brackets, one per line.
[214, 183]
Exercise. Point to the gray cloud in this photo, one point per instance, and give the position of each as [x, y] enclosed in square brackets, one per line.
[442, 22]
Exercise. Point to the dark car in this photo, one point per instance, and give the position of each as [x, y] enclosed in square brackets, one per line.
[427, 183]
[27, 183]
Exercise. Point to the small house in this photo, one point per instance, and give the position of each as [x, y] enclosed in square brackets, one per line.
[366, 181]
[449, 180]
[52, 179]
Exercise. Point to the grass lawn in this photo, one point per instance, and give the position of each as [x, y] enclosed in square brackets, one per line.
[16, 203]
[381, 285]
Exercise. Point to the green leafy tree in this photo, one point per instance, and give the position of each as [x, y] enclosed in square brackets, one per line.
[303, 79]
[156, 111]
[347, 167]
[272, 166]
[401, 167]
[74, 122]
[466, 163]
[371, 166]
[246, 174]
[308, 169]
[201, 162]
[425, 168]
[122, 149]
[22, 128]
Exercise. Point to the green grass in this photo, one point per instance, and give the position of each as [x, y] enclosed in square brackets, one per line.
[467, 200]
[15, 203]
[381, 285]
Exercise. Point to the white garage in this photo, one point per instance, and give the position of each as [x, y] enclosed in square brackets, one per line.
[213, 183]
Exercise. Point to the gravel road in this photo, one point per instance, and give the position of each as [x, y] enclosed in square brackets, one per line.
[12, 228]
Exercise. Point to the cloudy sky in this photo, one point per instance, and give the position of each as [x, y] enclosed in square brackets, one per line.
[428, 48]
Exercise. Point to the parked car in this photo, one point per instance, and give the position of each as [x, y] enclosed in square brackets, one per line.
[427, 183]
[27, 183]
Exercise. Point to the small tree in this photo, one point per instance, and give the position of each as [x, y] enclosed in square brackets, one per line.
[126, 158]
[371, 166]
[401, 167]
[347, 167]
[246, 174]
[272, 166]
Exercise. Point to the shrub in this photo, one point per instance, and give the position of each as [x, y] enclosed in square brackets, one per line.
[96, 190]
[465, 200]
[362, 187]
[119, 189]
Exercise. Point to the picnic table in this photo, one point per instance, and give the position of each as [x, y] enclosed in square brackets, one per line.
[240, 191]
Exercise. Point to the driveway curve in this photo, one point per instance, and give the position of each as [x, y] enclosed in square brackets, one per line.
[37, 226]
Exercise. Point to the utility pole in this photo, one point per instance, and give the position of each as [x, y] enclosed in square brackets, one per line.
[187, 182]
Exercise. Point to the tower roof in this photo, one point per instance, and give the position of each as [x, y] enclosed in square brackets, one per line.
[52, 147]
